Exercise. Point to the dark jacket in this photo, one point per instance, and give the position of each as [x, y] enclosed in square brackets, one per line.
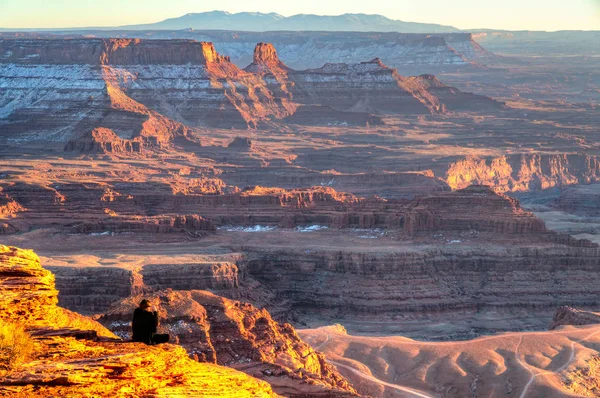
[144, 325]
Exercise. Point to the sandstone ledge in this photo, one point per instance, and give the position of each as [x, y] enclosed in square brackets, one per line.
[76, 356]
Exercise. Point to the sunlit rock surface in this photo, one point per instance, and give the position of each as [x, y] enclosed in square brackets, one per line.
[76, 356]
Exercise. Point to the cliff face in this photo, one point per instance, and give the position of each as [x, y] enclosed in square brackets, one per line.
[443, 254]
[373, 87]
[301, 50]
[476, 208]
[121, 95]
[136, 88]
[343, 90]
[305, 49]
[238, 335]
[157, 208]
[407, 290]
[108, 52]
[524, 172]
[571, 316]
[75, 356]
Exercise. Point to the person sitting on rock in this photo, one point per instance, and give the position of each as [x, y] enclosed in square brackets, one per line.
[144, 325]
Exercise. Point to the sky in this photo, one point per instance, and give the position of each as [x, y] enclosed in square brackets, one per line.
[464, 14]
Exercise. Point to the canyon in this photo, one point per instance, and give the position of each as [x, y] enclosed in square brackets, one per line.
[435, 201]
[289, 365]
[197, 87]
[410, 52]
[76, 355]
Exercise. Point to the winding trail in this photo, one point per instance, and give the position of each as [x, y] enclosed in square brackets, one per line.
[411, 391]
[533, 373]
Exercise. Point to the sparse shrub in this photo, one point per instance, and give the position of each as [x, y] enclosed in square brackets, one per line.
[15, 346]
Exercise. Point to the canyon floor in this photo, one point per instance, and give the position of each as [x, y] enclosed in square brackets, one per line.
[536, 364]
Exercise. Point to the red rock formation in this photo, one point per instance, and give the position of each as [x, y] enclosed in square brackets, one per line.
[265, 56]
[239, 335]
[76, 356]
[476, 208]
[192, 224]
[103, 140]
[524, 172]
[407, 288]
[155, 85]
[109, 52]
[572, 316]
[241, 143]
[376, 88]
[579, 199]
[8, 206]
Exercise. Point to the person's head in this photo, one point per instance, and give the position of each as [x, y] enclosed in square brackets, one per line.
[145, 304]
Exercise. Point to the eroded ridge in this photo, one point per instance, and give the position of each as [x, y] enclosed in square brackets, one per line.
[76, 356]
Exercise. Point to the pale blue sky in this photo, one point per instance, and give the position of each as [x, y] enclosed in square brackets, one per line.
[464, 14]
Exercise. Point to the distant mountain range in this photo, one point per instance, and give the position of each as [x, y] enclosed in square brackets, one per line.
[259, 22]
[269, 22]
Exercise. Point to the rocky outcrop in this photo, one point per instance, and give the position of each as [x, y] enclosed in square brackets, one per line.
[132, 87]
[366, 87]
[265, 60]
[241, 143]
[580, 199]
[103, 140]
[369, 87]
[108, 52]
[76, 356]
[585, 380]
[117, 95]
[192, 224]
[574, 317]
[514, 173]
[407, 289]
[8, 206]
[238, 335]
[476, 208]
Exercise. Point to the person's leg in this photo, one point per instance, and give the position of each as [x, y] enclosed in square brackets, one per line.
[160, 338]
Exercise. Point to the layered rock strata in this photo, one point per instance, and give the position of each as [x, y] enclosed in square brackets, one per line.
[155, 208]
[514, 173]
[582, 200]
[571, 316]
[444, 254]
[408, 290]
[136, 88]
[367, 87]
[92, 289]
[238, 335]
[76, 356]
[306, 49]
[121, 95]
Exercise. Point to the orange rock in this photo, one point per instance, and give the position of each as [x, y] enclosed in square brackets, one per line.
[239, 335]
[76, 356]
